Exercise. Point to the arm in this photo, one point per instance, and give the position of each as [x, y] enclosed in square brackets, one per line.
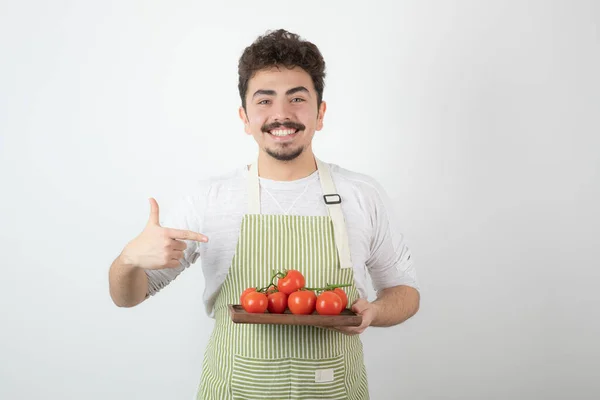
[128, 283]
[157, 253]
[390, 267]
[393, 306]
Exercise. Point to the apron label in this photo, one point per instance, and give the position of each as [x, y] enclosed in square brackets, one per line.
[324, 375]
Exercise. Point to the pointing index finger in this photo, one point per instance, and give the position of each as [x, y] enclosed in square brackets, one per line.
[186, 235]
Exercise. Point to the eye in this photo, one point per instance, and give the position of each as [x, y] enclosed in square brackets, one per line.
[297, 100]
[264, 102]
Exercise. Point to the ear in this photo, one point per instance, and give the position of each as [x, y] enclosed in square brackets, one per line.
[321, 115]
[244, 118]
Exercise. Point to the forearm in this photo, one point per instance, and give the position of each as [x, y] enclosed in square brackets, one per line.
[128, 283]
[395, 305]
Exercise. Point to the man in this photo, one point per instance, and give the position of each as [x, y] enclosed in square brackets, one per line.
[289, 210]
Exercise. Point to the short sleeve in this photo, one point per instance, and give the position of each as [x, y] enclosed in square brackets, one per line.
[390, 262]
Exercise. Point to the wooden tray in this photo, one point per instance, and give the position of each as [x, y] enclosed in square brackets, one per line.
[346, 318]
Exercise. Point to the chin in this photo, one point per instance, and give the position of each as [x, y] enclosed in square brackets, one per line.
[288, 155]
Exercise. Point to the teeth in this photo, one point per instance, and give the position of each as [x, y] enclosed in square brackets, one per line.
[282, 132]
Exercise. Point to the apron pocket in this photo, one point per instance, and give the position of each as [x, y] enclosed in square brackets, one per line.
[289, 378]
[257, 379]
[318, 379]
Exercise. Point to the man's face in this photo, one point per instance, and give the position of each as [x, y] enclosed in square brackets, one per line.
[281, 111]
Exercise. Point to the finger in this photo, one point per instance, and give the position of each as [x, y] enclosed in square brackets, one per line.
[177, 255]
[178, 245]
[360, 305]
[186, 235]
[345, 330]
[355, 330]
[173, 264]
[153, 212]
[334, 328]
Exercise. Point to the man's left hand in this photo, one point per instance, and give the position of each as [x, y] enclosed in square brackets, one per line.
[367, 310]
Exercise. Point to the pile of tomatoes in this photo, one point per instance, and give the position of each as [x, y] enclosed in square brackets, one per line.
[290, 293]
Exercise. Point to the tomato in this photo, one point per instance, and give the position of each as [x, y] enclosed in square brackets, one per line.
[271, 289]
[340, 292]
[255, 302]
[302, 302]
[292, 281]
[277, 302]
[245, 292]
[329, 303]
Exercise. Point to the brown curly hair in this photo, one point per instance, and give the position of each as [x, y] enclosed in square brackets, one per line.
[281, 47]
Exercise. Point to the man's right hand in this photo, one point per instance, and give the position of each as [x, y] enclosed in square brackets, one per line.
[157, 247]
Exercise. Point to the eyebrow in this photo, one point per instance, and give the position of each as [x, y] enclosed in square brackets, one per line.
[296, 90]
[266, 92]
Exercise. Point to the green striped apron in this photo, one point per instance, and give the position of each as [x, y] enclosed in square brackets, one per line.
[249, 361]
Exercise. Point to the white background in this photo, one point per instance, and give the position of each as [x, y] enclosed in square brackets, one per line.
[480, 118]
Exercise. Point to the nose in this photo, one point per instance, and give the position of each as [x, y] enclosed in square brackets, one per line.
[281, 111]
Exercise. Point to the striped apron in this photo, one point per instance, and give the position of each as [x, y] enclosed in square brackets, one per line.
[249, 361]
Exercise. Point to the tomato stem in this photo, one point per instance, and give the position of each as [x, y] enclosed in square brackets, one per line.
[329, 287]
[276, 274]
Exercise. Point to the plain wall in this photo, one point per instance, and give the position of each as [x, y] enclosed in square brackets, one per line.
[480, 118]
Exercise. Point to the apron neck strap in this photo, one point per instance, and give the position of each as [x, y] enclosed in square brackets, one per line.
[333, 201]
[330, 196]
[253, 190]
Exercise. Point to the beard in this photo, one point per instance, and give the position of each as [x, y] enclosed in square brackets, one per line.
[283, 155]
[285, 152]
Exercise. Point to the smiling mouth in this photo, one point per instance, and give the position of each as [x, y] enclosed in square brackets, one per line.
[283, 132]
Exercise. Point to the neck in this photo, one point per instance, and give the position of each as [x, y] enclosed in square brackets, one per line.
[298, 168]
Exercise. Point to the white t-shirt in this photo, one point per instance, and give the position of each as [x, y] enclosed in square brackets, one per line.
[216, 207]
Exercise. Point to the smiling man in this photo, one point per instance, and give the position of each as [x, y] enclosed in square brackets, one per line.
[287, 210]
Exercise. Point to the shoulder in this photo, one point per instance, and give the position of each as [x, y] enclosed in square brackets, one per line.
[348, 180]
[195, 196]
[215, 184]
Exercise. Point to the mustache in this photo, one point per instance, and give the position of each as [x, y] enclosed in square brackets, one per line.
[287, 124]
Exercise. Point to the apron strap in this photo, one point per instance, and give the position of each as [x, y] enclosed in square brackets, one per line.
[332, 200]
[253, 190]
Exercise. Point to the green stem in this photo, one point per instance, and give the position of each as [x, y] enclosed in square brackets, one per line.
[329, 287]
[276, 274]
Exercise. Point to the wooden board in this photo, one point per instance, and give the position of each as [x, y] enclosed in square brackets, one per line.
[346, 318]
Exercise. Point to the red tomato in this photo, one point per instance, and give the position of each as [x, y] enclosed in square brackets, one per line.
[340, 292]
[277, 302]
[271, 289]
[329, 303]
[292, 281]
[302, 302]
[255, 302]
[245, 292]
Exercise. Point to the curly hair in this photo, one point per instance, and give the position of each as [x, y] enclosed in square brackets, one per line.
[281, 47]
